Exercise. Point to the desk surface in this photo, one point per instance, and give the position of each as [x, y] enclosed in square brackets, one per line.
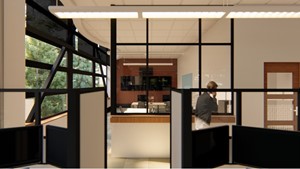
[150, 103]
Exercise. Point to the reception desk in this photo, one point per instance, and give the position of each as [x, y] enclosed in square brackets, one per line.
[146, 136]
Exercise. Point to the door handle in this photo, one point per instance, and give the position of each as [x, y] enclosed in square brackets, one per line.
[296, 110]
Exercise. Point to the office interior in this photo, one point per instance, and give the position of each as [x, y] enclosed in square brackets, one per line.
[139, 70]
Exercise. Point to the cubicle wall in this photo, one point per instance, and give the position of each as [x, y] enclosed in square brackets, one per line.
[181, 129]
[210, 147]
[176, 133]
[56, 146]
[83, 143]
[92, 130]
[189, 149]
[267, 148]
[20, 145]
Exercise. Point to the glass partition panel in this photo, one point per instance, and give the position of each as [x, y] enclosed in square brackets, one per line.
[131, 79]
[163, 76]
[216, 67]
[216, 30]
[173, 30]
[131, 31]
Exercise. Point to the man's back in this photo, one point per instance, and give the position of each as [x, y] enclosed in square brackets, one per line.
[205, 106]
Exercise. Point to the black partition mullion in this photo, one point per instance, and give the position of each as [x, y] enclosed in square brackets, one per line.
[232, 63]
[113, 64]
[199, 55]
[147, 65]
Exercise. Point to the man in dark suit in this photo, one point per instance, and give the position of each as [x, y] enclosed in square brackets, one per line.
[206, 105]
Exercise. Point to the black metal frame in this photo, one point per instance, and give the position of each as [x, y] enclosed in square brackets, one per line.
[66, 46]
[114, 45]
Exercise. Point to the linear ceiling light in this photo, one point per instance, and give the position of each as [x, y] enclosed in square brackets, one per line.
[183, 14]
[238, 11]
[263, 15]
[150, 64]
[264, 11]
[90, 12]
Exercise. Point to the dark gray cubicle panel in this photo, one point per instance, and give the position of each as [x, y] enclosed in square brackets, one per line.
[267, 148]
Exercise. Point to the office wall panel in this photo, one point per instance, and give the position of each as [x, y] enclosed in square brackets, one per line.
[13, 61]
[92, 130]
[176, 131]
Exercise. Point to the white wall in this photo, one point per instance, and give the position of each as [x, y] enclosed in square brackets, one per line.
[256, 41]
[12, 56]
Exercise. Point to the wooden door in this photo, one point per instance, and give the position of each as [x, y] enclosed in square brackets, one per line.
[280, 107]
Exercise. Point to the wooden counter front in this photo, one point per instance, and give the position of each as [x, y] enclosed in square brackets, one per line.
[162, 119]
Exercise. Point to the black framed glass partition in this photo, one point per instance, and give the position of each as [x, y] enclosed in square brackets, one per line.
[196, 54]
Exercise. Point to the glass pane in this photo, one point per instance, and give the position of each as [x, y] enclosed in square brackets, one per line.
[82, 81]
[224, 101]
[59, 81]
[131, 82]
[131, 31]
[211, 33]
[99, 82]
[98, 71]
[280, 81]
[82, 63]
[216, 65]
[53, 104]
[173, 30]
[84, 46]
[104, 69]
[39, 21]
[280, 109]
[63, 62]
[40, 51]
[35, 78]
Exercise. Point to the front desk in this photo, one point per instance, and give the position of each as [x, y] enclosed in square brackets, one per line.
[146, 136]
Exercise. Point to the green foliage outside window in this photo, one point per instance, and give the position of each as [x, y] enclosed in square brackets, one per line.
[39, 51]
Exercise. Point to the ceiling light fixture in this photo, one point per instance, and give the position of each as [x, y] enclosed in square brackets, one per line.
[238, 11]
[264, 11]
[76, 12]
[183, 14]
[263, 15]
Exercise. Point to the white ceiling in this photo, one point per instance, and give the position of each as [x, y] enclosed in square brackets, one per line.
[160, 30]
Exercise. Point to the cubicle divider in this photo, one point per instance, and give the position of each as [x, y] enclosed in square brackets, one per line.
[210, 147]
[85, 137]
[207, 148]
[20, 145]
[267, 148]
[181, 129]
[189, 149]
[56, 146]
